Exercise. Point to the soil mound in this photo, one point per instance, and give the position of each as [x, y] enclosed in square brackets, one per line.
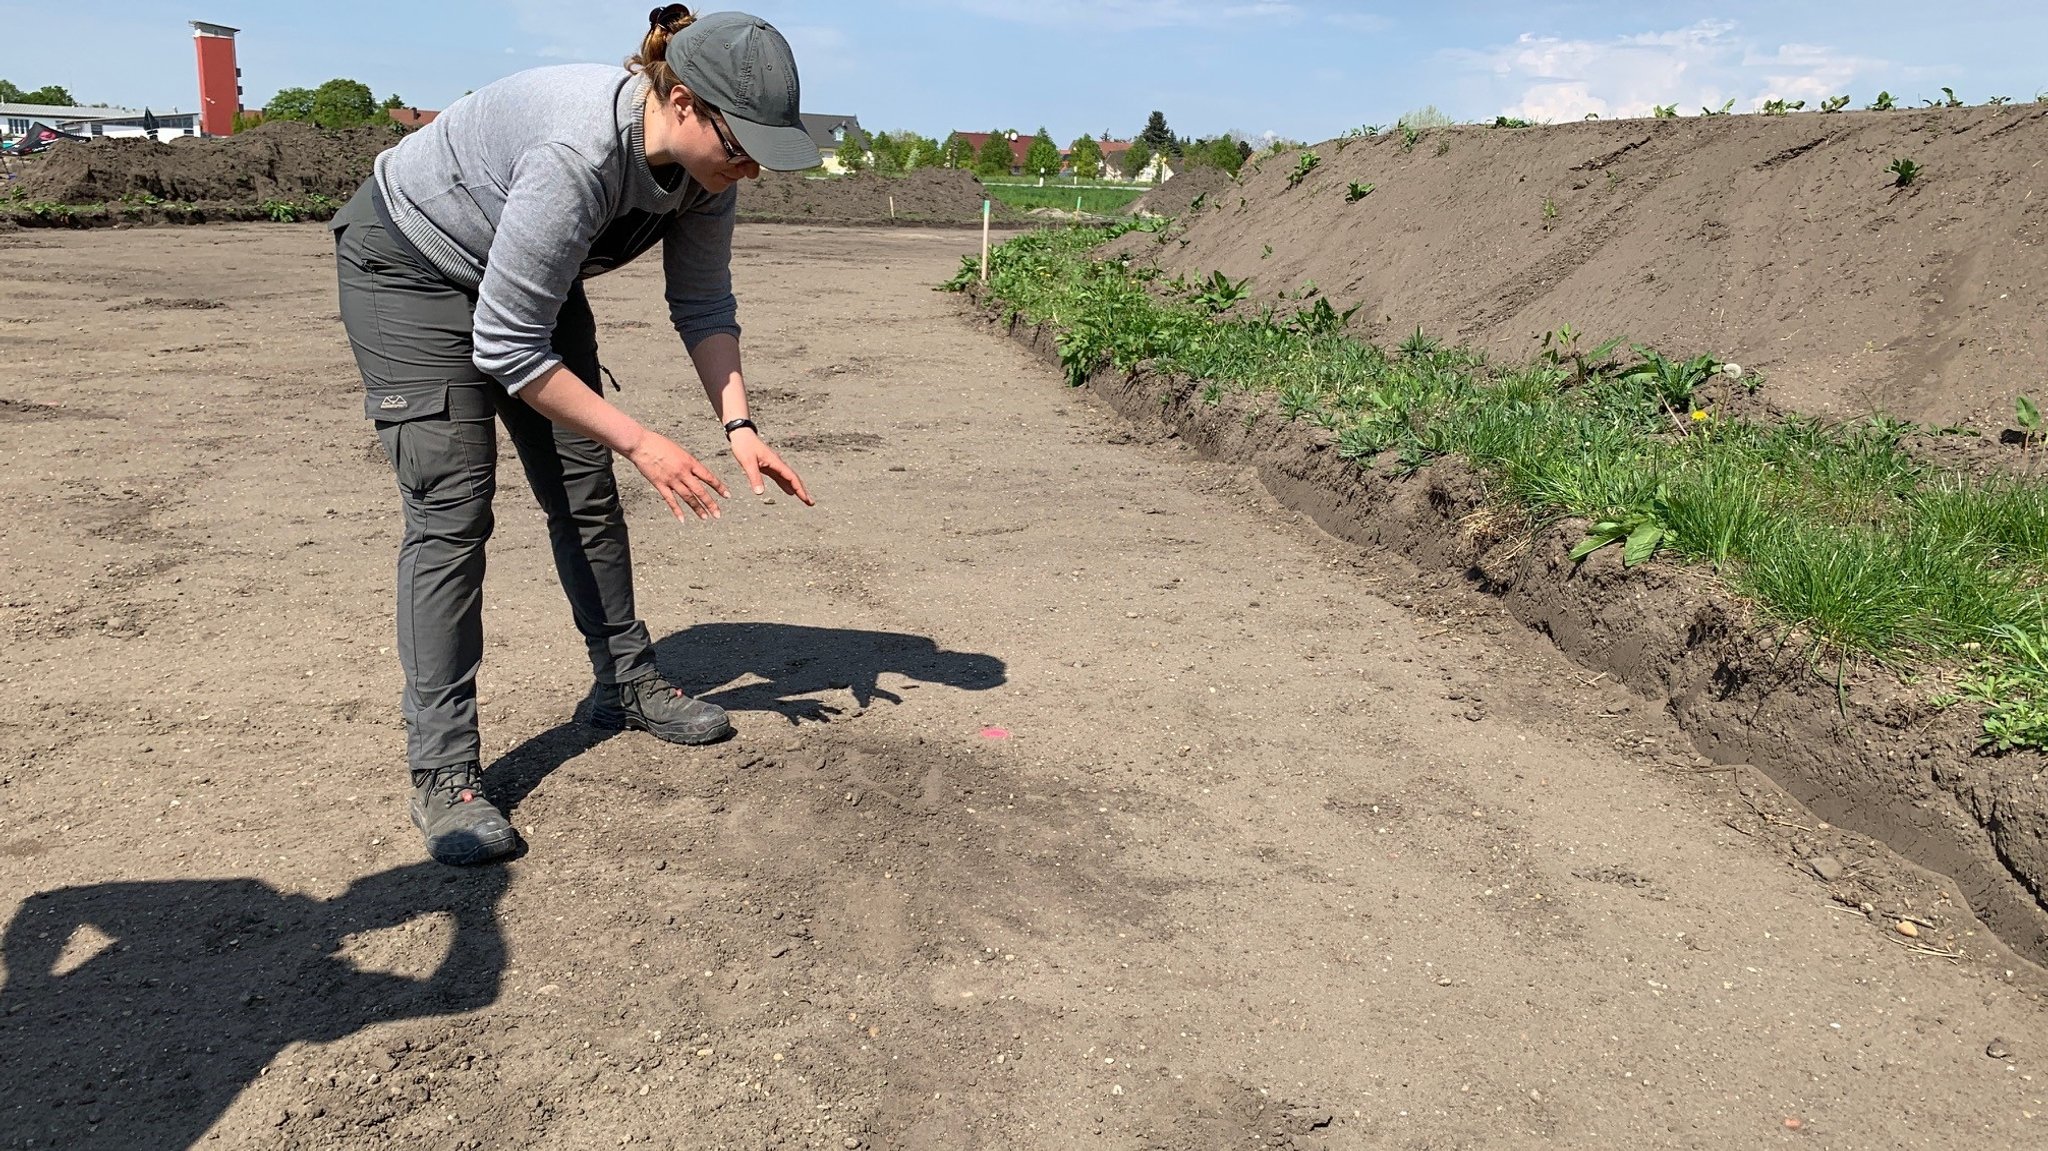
[280, 160]
[1173, 197]
[284, 160]
[1779, 242]
[925, 196]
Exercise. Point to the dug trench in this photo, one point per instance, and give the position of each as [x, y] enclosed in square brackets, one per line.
[1858, 749]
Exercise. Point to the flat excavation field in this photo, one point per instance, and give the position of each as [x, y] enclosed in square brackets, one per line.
[1083, 794]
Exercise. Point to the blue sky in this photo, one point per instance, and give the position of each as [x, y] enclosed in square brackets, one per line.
[1307, 69]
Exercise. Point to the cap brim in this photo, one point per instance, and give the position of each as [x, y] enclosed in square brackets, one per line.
[776, 149]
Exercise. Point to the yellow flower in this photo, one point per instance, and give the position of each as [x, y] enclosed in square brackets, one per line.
[1698, 417]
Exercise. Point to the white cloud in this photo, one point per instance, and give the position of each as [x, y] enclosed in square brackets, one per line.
[1541, 77]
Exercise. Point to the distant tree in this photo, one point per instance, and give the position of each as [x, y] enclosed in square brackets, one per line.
[1137, 159]
[345, 104]
[925, 153]
[1043, 159]
[290, 104]
[995, 157]
[853, 151]
[1225, 153]
[957, 152]
[391, 102]
[246, 119]
[52, 94]
[9, 94]
[1085, 157]
[891, 151]
[1157, 136]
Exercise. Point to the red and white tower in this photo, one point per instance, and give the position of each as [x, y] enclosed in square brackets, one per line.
[220, 82]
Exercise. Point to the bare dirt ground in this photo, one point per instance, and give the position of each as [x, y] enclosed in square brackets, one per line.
[1083, 796]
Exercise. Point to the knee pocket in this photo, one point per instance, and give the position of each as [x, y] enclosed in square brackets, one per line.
[449, 466]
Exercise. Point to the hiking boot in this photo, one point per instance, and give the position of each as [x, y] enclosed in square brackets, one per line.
[461, 826]
[655, 705]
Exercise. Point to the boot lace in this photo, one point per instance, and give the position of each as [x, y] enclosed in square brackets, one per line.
[454, 785]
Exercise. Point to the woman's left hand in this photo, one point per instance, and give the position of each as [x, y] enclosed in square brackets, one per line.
[757, 459]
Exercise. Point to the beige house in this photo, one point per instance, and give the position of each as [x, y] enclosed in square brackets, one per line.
[829, 132]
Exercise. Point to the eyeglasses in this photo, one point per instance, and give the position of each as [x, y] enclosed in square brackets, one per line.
[733, 153]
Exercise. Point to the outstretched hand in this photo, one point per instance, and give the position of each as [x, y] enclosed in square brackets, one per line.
[679, 476]
[757, 459]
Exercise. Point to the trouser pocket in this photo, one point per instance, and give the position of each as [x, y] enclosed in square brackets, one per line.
[448, 456]
[399, 403]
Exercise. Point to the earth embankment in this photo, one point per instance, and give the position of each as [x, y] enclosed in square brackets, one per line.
[279, 160]
[943, 196]
[313, 171]
[1778, 242]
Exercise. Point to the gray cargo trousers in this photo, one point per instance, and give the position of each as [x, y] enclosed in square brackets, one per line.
[437, 414]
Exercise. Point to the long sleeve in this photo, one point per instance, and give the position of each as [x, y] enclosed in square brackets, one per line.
[696, 263]
[553, 210]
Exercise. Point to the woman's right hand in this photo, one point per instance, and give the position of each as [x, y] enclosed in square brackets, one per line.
[678, 476]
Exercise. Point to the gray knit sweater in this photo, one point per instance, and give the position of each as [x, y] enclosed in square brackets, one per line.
[539, 179]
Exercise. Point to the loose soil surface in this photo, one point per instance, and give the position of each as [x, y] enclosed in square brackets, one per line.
[1083, 793]
[1778, 242]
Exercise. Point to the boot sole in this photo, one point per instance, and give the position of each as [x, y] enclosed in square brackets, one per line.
[467, 848]
[608, 719]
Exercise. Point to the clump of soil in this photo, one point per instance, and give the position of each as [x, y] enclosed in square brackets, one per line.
[280, 160]
[925, 196]
[1173, 197]
[1778, 242]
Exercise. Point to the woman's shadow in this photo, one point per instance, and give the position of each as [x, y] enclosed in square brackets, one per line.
[762, 667]
[134, 1013]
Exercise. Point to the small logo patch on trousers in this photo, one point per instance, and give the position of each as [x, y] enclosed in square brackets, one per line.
[393, 404]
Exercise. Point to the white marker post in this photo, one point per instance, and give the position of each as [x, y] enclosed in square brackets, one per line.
[984, 238]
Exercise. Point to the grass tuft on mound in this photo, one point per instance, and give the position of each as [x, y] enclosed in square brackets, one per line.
[1834, 530]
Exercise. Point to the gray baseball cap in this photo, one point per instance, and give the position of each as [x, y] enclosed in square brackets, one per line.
[740, 65]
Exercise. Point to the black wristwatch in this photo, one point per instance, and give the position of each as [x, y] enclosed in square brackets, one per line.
[732, 426]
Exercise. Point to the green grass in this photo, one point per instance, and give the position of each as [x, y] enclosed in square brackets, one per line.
[1835, 531]
[1099, 200]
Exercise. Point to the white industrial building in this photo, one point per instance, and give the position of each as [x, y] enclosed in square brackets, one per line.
[16, 119]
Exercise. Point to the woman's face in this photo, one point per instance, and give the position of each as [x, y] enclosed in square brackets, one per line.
[705, 147]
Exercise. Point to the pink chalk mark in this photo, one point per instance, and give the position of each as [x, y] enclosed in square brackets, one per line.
[995, 733]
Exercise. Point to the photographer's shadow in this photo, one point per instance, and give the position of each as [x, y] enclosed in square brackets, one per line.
[791, 665]
[135, 1013]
